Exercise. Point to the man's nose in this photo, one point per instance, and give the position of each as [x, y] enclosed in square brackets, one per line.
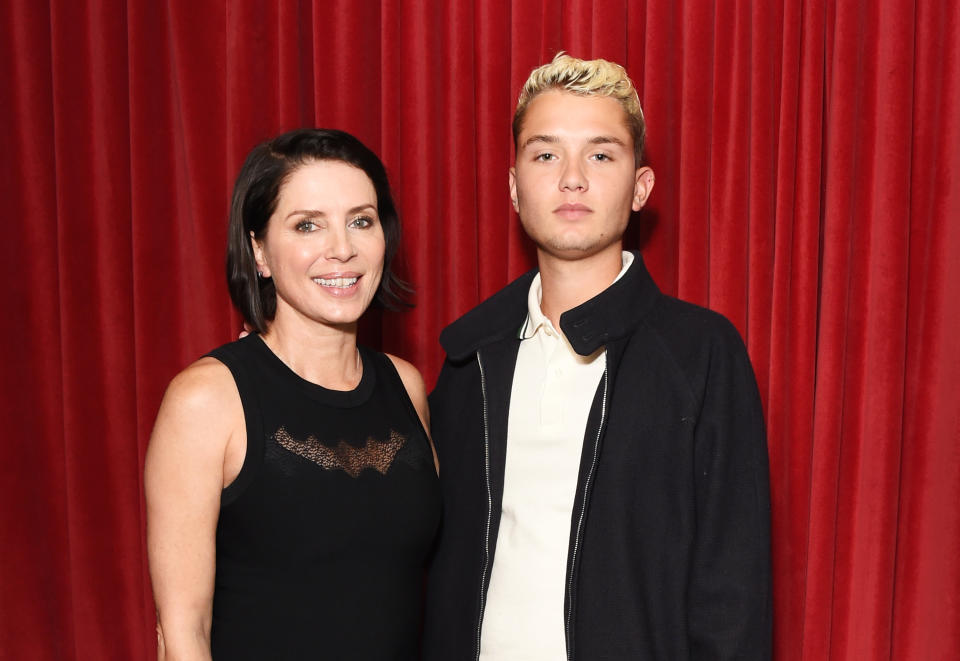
[573, 177]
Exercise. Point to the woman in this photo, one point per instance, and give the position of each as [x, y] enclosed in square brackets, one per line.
[291, 487]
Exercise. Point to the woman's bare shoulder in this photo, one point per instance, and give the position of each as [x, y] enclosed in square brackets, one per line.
[417, 391]
[410, 375]
[204, 383]
[201, 403]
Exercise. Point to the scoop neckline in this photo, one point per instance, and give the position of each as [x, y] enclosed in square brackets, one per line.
[329, 396]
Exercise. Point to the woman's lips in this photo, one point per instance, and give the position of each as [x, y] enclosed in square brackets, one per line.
[339, 284]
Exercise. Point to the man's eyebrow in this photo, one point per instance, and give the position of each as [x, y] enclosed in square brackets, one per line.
[606, 140]
[549, 139]
[552, 139]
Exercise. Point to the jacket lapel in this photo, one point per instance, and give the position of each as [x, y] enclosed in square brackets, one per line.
[498, 360]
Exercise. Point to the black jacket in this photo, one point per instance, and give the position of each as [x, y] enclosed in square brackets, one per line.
[669, 554]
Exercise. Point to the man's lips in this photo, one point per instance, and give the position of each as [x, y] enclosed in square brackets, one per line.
[572, 210]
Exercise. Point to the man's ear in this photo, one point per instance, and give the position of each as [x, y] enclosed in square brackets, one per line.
[642, 187]
[259, 257]
[513, 189]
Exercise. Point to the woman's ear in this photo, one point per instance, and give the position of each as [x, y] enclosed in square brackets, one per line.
[263, 270]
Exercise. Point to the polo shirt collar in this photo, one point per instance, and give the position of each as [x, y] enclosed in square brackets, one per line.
[608, 316]
[535, 318]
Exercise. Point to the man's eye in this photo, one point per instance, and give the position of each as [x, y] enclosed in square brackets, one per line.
[601, 157]
[545, 157]
[361, 222]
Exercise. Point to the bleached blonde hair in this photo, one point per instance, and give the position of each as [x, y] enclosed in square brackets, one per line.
[585, 78]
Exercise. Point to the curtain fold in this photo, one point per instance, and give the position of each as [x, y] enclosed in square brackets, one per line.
[806, 153]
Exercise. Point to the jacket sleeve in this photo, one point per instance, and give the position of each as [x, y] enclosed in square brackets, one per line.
[438, 400]
[729, 612]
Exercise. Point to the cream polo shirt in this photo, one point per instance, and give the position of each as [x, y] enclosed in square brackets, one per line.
[553, 389]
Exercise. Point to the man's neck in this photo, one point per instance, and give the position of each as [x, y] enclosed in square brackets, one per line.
[568, 283]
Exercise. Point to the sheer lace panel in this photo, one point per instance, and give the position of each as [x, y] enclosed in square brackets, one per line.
[375, 454]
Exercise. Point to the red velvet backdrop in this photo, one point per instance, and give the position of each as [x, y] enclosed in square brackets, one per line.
[806, 153]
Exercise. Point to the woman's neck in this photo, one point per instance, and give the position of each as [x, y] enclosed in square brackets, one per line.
[324, 355]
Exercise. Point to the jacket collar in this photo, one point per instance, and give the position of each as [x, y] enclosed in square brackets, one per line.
[610, 315]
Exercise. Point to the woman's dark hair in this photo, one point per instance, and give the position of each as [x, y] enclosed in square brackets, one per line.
[255, 193]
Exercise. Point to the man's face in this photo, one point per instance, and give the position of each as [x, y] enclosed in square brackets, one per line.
[575, 180]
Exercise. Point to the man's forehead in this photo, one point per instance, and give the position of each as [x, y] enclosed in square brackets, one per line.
[557, 114]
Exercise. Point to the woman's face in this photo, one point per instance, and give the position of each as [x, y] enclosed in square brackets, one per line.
[324, 244]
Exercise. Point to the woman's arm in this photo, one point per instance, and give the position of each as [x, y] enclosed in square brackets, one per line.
[417, 391]
[192, 454]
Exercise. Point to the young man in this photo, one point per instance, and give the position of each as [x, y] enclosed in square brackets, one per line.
[602, 450]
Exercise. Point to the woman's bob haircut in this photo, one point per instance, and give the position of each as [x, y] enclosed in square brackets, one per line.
[255, 193]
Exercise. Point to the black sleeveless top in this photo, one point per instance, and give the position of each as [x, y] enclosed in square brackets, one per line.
[323, 536]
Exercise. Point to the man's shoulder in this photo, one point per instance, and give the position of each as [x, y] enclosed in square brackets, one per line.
[691, 349]
[496, 318]
[690, 330]
[673, 313]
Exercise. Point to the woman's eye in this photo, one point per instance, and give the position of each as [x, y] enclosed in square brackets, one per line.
[306, 226]
[361, 222]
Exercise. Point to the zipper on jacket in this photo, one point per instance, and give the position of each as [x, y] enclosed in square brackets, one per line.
[486, 536]
[583, 511]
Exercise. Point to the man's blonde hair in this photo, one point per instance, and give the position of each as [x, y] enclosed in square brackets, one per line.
[586, 78]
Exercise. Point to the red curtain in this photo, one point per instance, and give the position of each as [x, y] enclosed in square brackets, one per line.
[805, 150]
